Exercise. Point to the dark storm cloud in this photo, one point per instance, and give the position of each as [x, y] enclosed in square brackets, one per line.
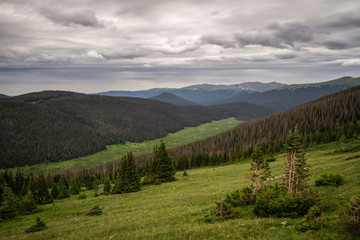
[293, 32]
[84, 18]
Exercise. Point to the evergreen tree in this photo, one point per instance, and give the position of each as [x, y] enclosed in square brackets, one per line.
[260, 169]
[297, 172]
[29, 204]
[107, 186]
[33, 187]
[54, 191]
[118, 187]
[43, 194]
[64, 191]
[20, 183]
[132, 177]
[75, 186]
[9, 204]
[161, 165]
[128, 179]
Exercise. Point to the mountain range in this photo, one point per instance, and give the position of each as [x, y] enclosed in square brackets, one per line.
[273, 95]
[202, 93]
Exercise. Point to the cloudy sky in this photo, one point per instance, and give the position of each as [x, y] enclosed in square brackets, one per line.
[92, 46]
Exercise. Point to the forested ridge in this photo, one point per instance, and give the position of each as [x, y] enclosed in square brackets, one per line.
[323, 120]
[53, 126]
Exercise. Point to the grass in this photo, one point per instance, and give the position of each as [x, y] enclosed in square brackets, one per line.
[176, 210]
[115, 152]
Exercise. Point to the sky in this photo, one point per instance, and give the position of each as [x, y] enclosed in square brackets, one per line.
[93, 46]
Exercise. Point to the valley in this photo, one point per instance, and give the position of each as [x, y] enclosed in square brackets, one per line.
[115, 152]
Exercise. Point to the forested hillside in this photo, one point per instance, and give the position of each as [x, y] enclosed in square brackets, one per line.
[243, 110]
[53, 126]
[323, 120]
[290, 96]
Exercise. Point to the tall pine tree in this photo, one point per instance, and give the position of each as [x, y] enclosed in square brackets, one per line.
[297, 171]
[128, 178]
[260, 169]
[161, 165]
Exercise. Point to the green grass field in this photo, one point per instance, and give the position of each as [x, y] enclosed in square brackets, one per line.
[115, 152]
[176, 210]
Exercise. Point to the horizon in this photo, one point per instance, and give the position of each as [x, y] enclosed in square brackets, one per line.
[91, 47]
[120, 90]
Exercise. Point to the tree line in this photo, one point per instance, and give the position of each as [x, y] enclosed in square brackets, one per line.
[21, 194]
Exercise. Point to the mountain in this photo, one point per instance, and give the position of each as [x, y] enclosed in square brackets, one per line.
[247, 86]
[290, 96]
[322, 120]
[173, 99]
[3, 96]
[201, 93]
[54, 126]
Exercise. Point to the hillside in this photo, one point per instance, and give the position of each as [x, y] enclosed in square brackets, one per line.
[54, 126]
[290, 96]
[200, 93]
[173, 99]
[176, 210]
[243, 110]
[3, 96]
[323, 120]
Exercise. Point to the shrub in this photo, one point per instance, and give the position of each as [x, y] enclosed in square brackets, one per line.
[349, 219]
[39, 226]
[241, 197]
[274, 201]
[82, 196]
[95, 211]
[329, 179]
[225, 210]
[314, 220]
[185, 174]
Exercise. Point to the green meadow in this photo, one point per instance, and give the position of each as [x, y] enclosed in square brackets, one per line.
[115, 152]
[176, 210]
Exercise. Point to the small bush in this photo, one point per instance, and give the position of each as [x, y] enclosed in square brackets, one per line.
[329, 179]
[349, 219]
[314, 220]
[39, 226]
[185, 174]
[225, 210]
[271, 158]
[96, 194]
[274, 201]
[95, 211]
[82, 196]
[241, 197]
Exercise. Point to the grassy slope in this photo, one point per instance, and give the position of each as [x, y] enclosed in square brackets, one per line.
[176, 210]
[114, 152]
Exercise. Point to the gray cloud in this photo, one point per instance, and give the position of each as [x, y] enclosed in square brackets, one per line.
[84, 18]
[344, 20]
[336, 44]
[159, 41]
